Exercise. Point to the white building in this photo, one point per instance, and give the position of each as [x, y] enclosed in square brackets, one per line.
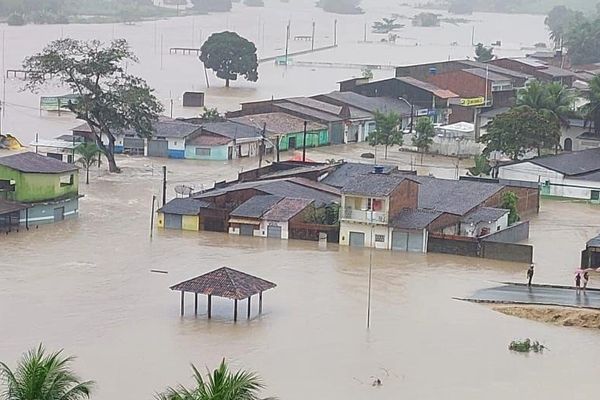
[573, 175]
[484, 221]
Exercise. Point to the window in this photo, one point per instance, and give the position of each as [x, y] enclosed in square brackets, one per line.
[380, 238]
[202, 151]
[595, 195]
[66, 180]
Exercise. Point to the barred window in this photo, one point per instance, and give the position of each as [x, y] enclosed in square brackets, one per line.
[380, 238]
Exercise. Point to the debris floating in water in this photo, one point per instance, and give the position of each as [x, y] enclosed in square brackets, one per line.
[158, 271]
[526, 346]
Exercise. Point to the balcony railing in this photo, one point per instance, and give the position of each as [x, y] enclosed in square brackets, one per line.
[366, 216]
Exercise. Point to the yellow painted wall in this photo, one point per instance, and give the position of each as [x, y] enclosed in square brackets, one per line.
[190, 223]
[160, 221]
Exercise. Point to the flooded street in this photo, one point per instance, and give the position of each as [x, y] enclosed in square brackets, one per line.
[86, 285]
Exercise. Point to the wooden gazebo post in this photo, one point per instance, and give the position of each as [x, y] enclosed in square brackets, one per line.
[260, 303]
[235, 310]
[182, 302]
[209, 306]
[196, 303]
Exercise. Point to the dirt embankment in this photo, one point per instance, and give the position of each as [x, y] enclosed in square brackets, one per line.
[554, 315]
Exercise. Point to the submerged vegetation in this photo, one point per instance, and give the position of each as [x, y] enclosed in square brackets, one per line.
[526, 346]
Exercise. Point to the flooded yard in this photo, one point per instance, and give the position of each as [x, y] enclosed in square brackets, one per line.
[86, 285]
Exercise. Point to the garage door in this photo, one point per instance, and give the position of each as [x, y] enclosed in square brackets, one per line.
[274, 231]
[247, 230]
[173, 221]
[357, 239]
[415, 242]
[158, 148]
[399, 241]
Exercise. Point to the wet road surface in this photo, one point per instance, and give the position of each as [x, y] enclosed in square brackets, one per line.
[539, 295]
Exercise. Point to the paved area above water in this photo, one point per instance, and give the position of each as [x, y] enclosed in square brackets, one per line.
[538, 295]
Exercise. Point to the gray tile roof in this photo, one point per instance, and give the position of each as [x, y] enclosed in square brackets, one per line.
[452, 196]
[232, 130]
[496, 69]
[376, 185]
[348, 172]
[184, 206]
[414, 219]
[485, 214]
[279, 123]
[370, 104]
[256, 206]
[491, 76]
[290, 189]
[308, 112]
[169, 128]
[286, 209]
[316, 104]
[35, 163]
[574, 163]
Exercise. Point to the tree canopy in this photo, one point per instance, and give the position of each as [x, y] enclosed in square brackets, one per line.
[387, 131]
[520, 130]
[582, 39]
[340, 6]
[553, 98]
[39, 375]
[221, 384]
[558, 21]
[110, 99]
[230, 55]
[483, 54]
[424, 133]
[592, 109]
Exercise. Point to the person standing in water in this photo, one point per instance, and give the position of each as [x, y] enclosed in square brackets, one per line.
[586, 279]
[577, 283]
[529, 275]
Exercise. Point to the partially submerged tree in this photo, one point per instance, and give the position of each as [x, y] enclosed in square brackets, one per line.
[423, 137]
[230, 55]
[481, 167]
[221, 384]
[211, 115]
[386, 25]
[41, 376]
[110, 99]
[520, 130]
[340, 6]
[509, 202]
[89, 154]
[483, 54]
[388, 131]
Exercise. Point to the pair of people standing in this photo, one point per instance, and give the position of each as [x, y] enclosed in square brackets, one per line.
[586, 279]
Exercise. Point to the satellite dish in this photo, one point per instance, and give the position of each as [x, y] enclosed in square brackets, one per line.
[184, 190]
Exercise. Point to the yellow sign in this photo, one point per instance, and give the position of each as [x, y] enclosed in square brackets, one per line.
[475, 101]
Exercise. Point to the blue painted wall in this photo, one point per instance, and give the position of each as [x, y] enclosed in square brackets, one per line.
[217, 153]
[177, 154]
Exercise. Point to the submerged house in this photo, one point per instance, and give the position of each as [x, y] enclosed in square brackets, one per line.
[41, 189]
[226, 140]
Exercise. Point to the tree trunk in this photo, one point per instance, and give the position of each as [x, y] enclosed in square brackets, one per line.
[109, 152]
[386, 147]
[87, 175]
[226, 82]
[422, 154]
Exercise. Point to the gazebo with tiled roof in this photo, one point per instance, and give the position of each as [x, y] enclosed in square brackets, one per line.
[227, 283]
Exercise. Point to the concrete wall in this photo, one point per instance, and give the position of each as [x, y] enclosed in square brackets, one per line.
[512, 234]
[217, 153]
[406, 195]
[190, 223]
[512, 252]
[369, 231]
[43, 213]
[453, 245]
[474, 230]
[284, 225]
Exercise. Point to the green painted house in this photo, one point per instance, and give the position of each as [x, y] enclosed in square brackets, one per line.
[48, 188]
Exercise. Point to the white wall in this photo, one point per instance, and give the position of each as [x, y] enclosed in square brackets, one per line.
[176, 144]
[369, 231]
[284, 228]
[474, 230]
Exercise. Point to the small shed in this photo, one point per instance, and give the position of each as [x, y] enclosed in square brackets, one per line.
[227, 283]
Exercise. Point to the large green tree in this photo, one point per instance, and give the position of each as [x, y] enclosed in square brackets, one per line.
[221, 384]
[387, 130]
[592, 109]
[558, 21]
[424, 133]
[110, 99]
[520, 130]
[582, 40]
[42, 376]
[230, 55]
[483, 54]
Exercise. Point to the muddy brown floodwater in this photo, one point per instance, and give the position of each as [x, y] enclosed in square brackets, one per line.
[86, 285]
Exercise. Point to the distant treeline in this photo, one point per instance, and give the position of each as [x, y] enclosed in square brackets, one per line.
[62, 11]
[511, 6]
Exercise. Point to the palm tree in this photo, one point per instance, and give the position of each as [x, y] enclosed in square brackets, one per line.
[592, 109]
[548, 98]
[41, 376]
[222, 384]
[533, 95]
[89, 153]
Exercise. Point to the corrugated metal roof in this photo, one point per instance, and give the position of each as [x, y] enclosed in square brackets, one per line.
[256, 206]
[376, 185]
[414, 219]
[279, 123]
[485, 214]
[8, 207]
[370, 104]
[184, 206]
[439, 92]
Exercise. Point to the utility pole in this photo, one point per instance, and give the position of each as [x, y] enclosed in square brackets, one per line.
[261, 149]
[287, 42]
[312, 47]
[152, 216]
[335, 32]
[277, 147]
[304, 142]
[164, 186]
